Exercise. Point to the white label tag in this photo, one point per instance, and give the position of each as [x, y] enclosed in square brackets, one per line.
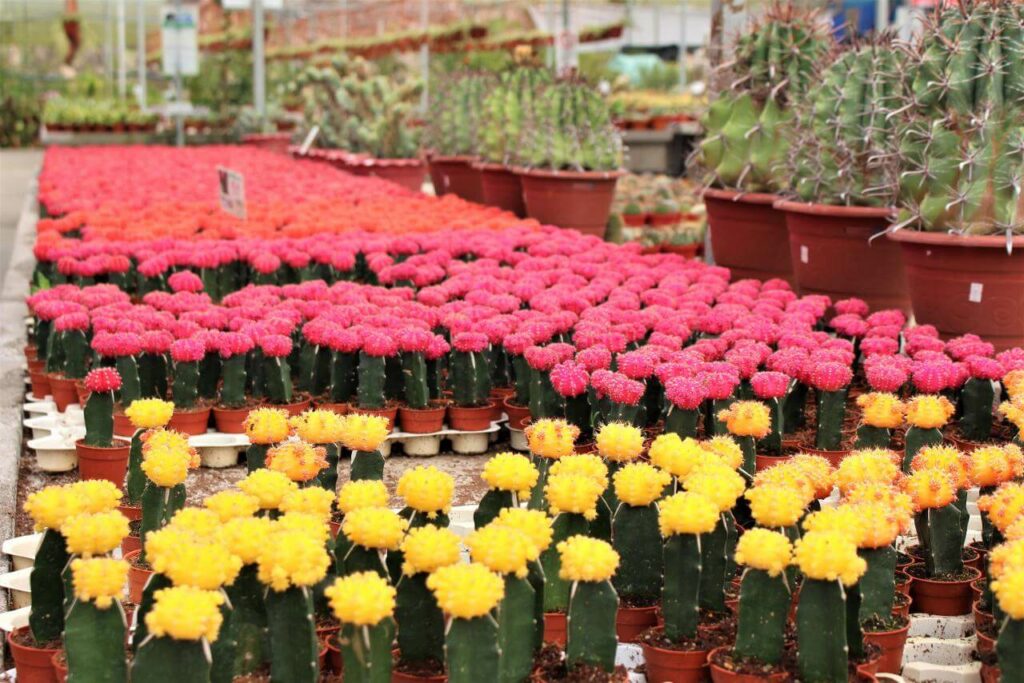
[804, 254]
[975, 294]
[232, 191]
[310, 137]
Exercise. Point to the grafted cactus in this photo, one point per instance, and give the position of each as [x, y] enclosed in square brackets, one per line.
[746, 141]
[360, 110]
[845, 140]
[456, 111]
[570, 128]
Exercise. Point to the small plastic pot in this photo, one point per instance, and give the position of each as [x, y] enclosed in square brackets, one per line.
[95, 462]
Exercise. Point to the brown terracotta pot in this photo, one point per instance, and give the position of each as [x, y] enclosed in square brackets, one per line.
[964, 445]
[95, 462]
[986, 644]
[831, 254]
[33, 664]
[132, 512]
[122, 425]
[81, 392]
[966, 284]
[903, 582]
[581, 200]
[634, 220]
[470, 419]
[990, 673]
[390, 412]
[687, 251]
[630, 622]
[720, 674]
[335, 662]
[892, 644]
[60, 666]
[901, 607]
[678, 666]
[455, 175]
[63, 391]
[748, 236]
[190, 422]
[424, 421]
[973, 559]
[40, 383]
[337, 408]
[501, 187]
[408, 173]
[977, 590]
[130, 544]
[272, 142]
[554, 628]
[942, 598]
[662, 220]
[231, 420]
[870, 667]
[137, 578]
[517, 415]
[767, 461]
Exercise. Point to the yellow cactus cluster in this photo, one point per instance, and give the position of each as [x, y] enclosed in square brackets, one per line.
[267, 426]
[510, 472]
[1013, 411]
[149, 413]
[378, 528]
[303, 523]
[817, 470]
[466, 591]
[930, 488]
[584, 465]
[990, 466]
[51, 506]
[94, 534]
[775, 506]
[427, 490]
[502, 549]
[720, 484]
[1009, 591]
[297, 460]
[1006, 557]
[575, 493]
[165, 461]
[533, 523]
[1013, 382]
[687, 513]
[929, 411]
[229, 504]
[1004, 506]
[882, 410]
[168, 439]
[318, 426]
[244, 537]
[619, 442]
[829, 556]
[313, 501]
[428, 548]
[587, 559]
[184, 613]
[725, 449]
[640, 484]
[945, 458]
[763, 549]
[677, 456]
[268, 487]
[864, 466]
[366, 493]
[553, 439]
[99, 580]
[363, 599]
[290, 558]
[364, 432]
[747, 418]
[882, 494]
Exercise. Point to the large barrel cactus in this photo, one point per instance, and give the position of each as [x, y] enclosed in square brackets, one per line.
[570, 128]
[506, 109]
[961, 152]
[456, 107]
[845, 138]
[747, 127]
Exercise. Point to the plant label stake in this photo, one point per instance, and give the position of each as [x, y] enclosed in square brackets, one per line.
[232, 191]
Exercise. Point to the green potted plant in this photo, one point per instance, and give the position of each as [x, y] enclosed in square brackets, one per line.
[746, 138]
[456, 109]
[841, 163]
[571, 157]
[959, 161]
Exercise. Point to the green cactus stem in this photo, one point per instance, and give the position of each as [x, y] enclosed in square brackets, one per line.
[854, 632]
[682, 422]
[55, 352]
[940, 534]
[154, 583]
[556, 589]
[209, 375]
[41, 331]
[577, 412]
[491, 505]
[343, 376]
[794, 408]
[211, 282]
[748, 445]
[360, 559]
[305, 368]
[256, 456]
[470, 379]
[99, 419]
[321, 381]
[1009, 652]
[977, 396]
[590, 624]
[135, 479]
[152, 375]
[156, 656]
[371, 370]
[878, 584]
[185, 390]
[821, 632]
[536, 579]
[224, 650]
[521, 378]
[394, 379]
[435, 371]
[990, 536]
[232, 391]
[46, 619]
[421, 638]
[159, 505]
[278, 379]
[471, 650]
[366, 651]
[94, 643]
[255, 373]
[328, 477]
[831, 412]
[679, 597]
[636, 537]
[872, 437]
[916, 439]
[771, 444]
[367, 465]
[538, 501]
[414, 374]
[248, 624]
[624, 412]
[544, 400]
[294, 649]
[764, 607]
[131, 388]
[76, 353]
[517, 623]
[715, 564]
[712, 425]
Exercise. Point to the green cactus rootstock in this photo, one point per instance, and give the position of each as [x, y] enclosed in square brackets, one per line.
[256, 456]
[680, 591]
[248, 624]
[367, 465]
[131, 388]
[878, 584]
[491, 505]
[370, 388]
[421, 637]
[635, 536]
[294, 649]
[224, 650]
[764, 607]
[328, 477]
[470, 379]
[471, 650]
[94, 643]
[556, 589]
[135, 478]
[154, 583]
[590, 624]
[159, 505]
[360, 559]
[186, 385]
[822, 632]
[156, 656]
[209, 376]
[682, 422]
[343, 376]
[940, 533]
[917, 438]
[977, 397]
[232, 392]
[99, 419]
[366, 651]
[831, 412]
[75, 354]
[152, 375]
[771, 444]
[46, 619]
[517, 627]
[278, 380]
[872, 437]
[1009, 652]
[414, 374]
[715, 565]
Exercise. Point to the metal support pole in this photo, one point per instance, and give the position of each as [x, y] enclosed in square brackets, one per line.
[108, 42]
[122, 50]
[140, 50]
[683, 7]
[629, 22]
[259, 82]
[425, 54]
[568, 50]
[881, 15]
[179, 119]
[553, 55]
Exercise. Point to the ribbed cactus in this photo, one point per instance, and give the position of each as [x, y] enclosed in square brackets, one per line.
[248, 624]
[977, 397]
[188, 659]
[94, 643]
[294, 648]
[415, 387]
[456, 110]
[185, 390]
[46, 618]
[99, 419]
[367, 651]
[636, 538]
[371, 371]
[343, 376]
[940, 532]
[764, 606]
[747, 130]
[681, 589]
[821, 625]
[842, 153]
[506, 109]
[878, 585]
[571, 129]
[470, 378]
[75, 354]
[421, 637]
[232, 391]
[556, 589]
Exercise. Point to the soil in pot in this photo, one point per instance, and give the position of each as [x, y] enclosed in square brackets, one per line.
[945, 596]
[470, 419]
[95, 462]
[748, 235]
[831, 254]
[191, 422]
[550, 666]
[502, 188]
[33, 661]
[726, 668]
[423, 421]
[416, 672]
[891, 636]
[581, 200]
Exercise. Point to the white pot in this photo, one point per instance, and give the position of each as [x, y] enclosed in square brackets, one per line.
[17, 582]
[22, 549]
[385, 448]
[55, 453]
[218, 457]
[517, 440]
[218, 450]
[470, 444]
[422, 446]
